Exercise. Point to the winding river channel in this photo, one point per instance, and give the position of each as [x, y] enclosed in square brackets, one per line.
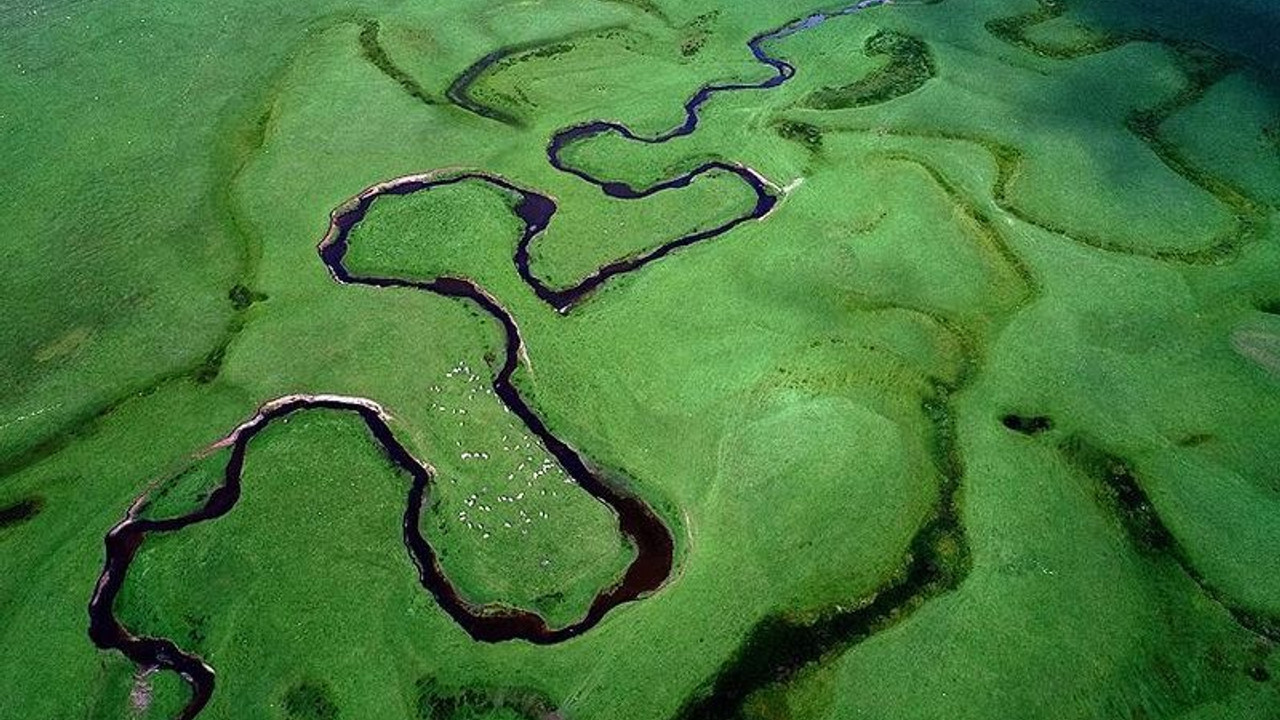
[652, 540]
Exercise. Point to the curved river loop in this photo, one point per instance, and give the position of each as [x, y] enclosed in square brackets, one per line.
[651, 538]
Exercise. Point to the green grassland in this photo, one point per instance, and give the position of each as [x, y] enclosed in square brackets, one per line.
[1015, 319]
[591, 230]
[509, 525]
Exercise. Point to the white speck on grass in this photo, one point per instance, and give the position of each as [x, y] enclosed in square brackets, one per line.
[30, 415]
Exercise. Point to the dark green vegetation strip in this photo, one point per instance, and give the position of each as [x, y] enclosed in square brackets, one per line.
[910, 66]
[1009, 161]
[437, 702]
[1204, 66]
[371, 49]
[87, 423]
[21, 511]
[938, 562]
[987, 234]
[645, 6]
[1119, 492]
[939, 557]
[203, 371]
[1013, 30]
[1117, 487]
[459, 92]
[246, 126]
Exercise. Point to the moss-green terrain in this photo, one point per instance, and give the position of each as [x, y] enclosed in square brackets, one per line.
[980, 421]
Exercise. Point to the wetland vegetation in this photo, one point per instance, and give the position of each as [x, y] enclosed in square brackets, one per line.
[641, 359]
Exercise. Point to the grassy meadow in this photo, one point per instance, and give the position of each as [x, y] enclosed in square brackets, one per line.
[1016, 317]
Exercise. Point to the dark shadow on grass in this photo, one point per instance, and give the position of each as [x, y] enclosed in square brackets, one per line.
[310, 700]
[1203, 67]
[20, 512]
[1238, 27]
[1027, 424]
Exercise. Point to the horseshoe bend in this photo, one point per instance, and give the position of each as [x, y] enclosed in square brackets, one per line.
[900, 358]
